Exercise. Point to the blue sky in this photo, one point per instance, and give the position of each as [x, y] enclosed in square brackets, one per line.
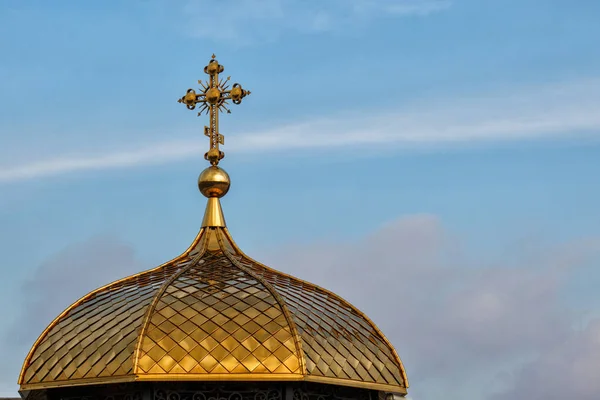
[475, 123]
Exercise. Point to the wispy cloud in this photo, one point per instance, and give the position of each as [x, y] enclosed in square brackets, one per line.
[417, 7]
[247, 20]
[157, 154]
[538, 113]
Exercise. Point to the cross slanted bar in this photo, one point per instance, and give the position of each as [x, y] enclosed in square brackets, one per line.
[213, 99]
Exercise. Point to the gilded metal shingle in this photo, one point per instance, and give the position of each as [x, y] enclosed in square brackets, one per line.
[215, 318]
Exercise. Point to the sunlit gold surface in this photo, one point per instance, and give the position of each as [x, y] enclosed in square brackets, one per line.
[213, 215]
[212, 314]
[214, 97]
[214, 182]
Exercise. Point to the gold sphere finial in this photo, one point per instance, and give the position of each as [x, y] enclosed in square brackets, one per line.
[214, 182]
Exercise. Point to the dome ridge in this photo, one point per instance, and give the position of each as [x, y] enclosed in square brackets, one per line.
[203, 262]
[271, 289]
[156, 298]
[108, 286]
[330, 293]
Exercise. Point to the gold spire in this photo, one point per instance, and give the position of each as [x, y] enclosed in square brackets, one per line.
[214, 182]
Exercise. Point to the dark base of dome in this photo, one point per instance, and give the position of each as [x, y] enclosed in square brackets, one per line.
[207, 391]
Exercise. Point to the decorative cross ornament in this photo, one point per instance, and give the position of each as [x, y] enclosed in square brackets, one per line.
[214, 99]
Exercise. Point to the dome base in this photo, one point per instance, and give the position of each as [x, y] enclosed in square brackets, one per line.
[225, 390]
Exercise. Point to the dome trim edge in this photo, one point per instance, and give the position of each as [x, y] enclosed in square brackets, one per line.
[158, 296]
[83, 299]
[348, 304]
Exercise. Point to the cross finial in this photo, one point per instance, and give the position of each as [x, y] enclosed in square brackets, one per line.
[213, 98]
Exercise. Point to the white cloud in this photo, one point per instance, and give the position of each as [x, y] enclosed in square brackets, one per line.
[568, 370]
[244, 21]
[460, 322]
[535, 113]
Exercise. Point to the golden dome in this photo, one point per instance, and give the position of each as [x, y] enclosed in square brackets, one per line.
[212, 314]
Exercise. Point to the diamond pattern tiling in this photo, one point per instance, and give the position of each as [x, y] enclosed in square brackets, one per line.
[218, 317]
[337, 341]
[218, 314]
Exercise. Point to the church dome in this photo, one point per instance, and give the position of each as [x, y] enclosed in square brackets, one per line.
[212, 314]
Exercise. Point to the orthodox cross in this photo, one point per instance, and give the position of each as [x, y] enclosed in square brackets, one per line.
[213, 98]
